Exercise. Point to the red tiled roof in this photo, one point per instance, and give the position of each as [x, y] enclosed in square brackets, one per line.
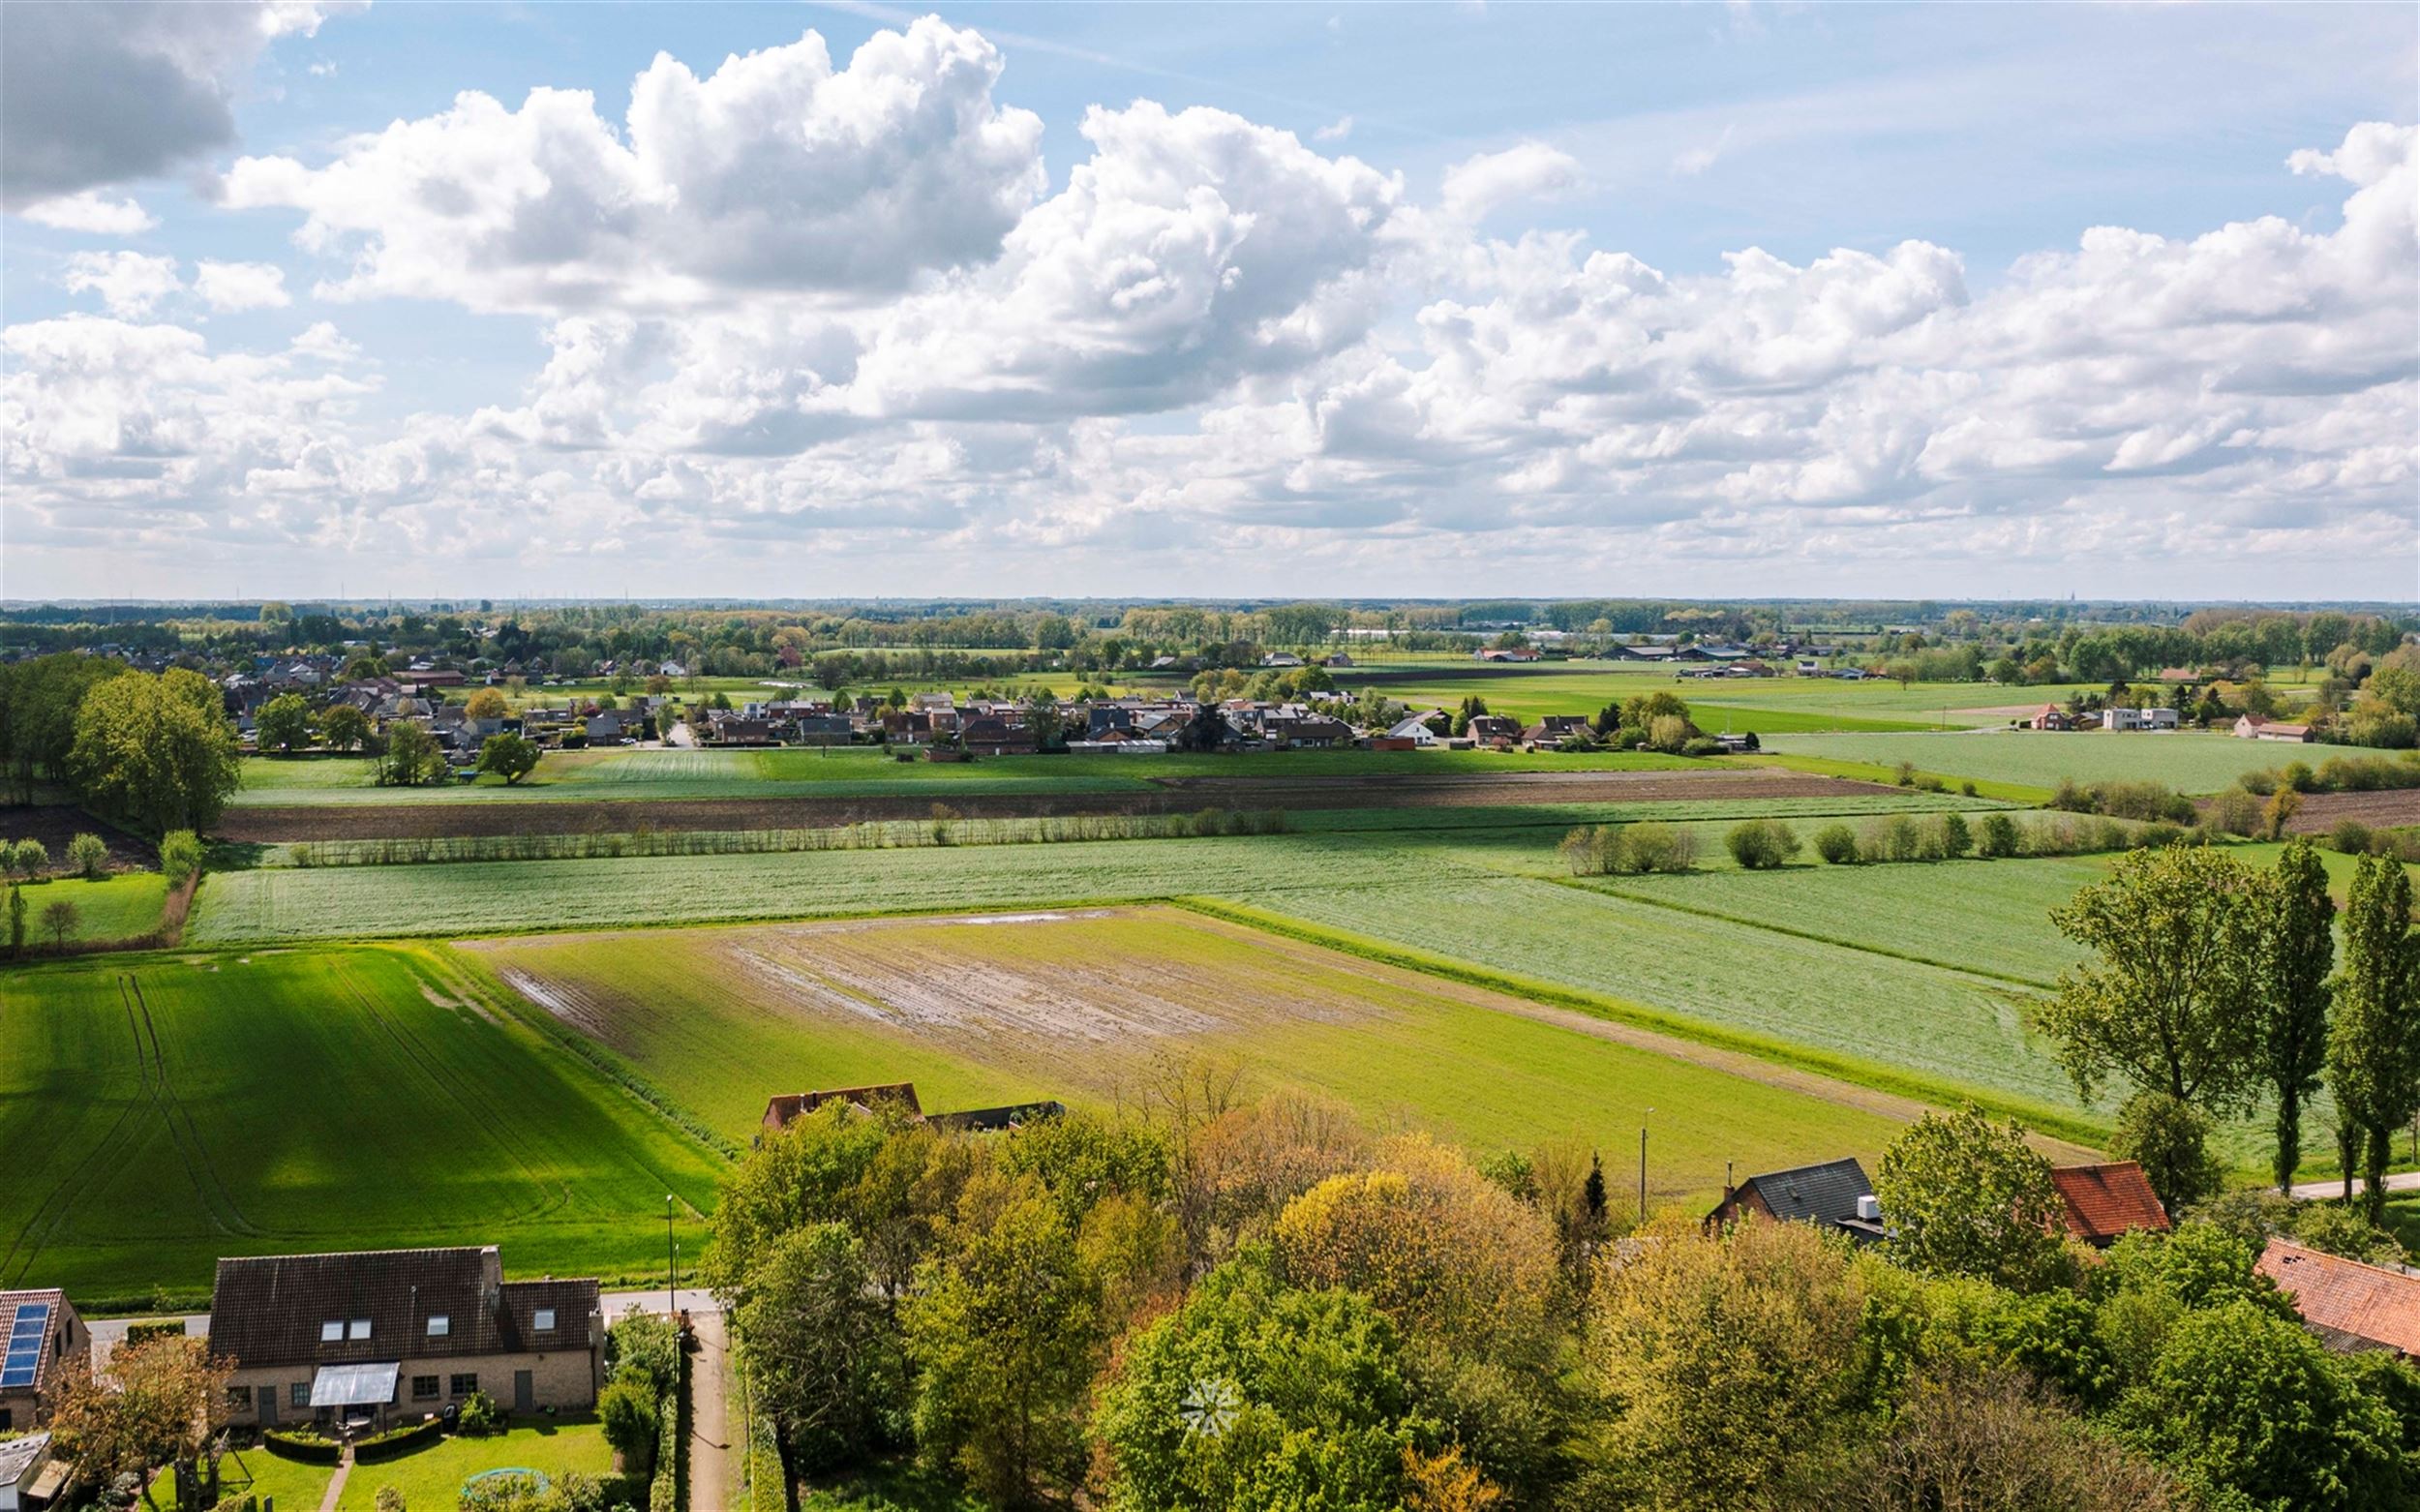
[2104, 1202]
[2336, 1295]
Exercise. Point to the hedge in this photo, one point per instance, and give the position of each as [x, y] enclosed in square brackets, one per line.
[309, 1448]
[398, 1441]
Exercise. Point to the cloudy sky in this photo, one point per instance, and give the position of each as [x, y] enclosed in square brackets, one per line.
[1321, 300]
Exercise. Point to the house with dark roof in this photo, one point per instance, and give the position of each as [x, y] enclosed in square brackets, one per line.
[787, 1108]
[376, 1335]
[2106, 1200]
[46, 1346]
[1833, 1195]
[2350, 1305]
[29, 1476]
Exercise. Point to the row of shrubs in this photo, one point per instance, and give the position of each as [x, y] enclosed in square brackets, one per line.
[2354, 838]
[1762, 844]
[2339, 774]
[87, 857]
[944, 828]
[2148, 802]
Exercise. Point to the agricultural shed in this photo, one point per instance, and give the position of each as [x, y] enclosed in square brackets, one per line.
[2350, 1305]
[315, 1336]
[2104, 1202]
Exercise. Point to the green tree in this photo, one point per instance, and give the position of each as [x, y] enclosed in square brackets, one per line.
[2374, 1039]
[1004, 1335]
[1255, 1394]
[2172, 1139]
[59, 919]
[820, 1348]
[156, 753]
[412, 758]
[509, 756]
[180, 856]
[2165, 1003]
[38, 702]
[345, 728]
[1043, 718]
[627, 1411]
[806, 1173]
[2252, 1404]
[29, 858]
[90, 854]
[284, 724]
[1964, 1198]
[2296, 947]
[487, 704]
[1762, 844]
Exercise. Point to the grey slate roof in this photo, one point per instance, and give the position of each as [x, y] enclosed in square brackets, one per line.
[1824, 1194]
[268, 1309]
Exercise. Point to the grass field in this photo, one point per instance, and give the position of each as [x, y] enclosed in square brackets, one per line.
[163, 1111]
[118, 907]
[2192, 763]
[1079, 1005]
[632, 772]
[1764, 705]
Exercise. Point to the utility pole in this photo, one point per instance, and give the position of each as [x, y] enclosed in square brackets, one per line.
[1643, 1117]
[672, 1277]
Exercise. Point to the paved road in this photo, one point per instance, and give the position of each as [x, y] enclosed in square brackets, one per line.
[2396, 1181]
[716, 1444]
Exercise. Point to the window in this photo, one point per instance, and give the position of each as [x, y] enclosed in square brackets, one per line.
[332, 1331]
[462, 1385]
[441, 1324]
[544, 1321]
[423, 1387]
[360, 1328]
[239, 1399]
[299, 1394]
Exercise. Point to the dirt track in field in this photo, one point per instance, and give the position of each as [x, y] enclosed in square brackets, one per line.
[269, 825]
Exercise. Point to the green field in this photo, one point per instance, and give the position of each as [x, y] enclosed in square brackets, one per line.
[1764, 705]
[631, 773]
[1080, 1005]
[2189, 763]
[118, 907]
[163, 1111]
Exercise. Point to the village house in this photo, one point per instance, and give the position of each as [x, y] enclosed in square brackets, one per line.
[1487, 728]
[31, 1477]
[1410, 734]
[2122, 719]
[376, 1333]
[2106, 1202]
[1555, 729]
[899, 1097]
[1830, 1195]
[1506, 653]
[2051, 717]
[2350, 1305]
[48, 1345]
[2255, 727]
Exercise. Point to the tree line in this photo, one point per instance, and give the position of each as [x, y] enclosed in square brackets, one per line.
[152, 752]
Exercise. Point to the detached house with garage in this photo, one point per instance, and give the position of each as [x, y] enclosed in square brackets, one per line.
[392, 1335]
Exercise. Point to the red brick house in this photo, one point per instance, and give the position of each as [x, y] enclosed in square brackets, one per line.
[2104, 1202]
[2350, 1305]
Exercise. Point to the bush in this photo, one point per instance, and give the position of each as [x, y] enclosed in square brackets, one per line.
[1626, 850]
[90, 855]
[1907, 773]
[1898, 837]
[2299, 777]
[1762, 844]
[180, 856]
[1999, 837]
[2237, 811]
[297, 1444]
[389, 1500]
[2153, 837]
[30, 857]
[398, 1441]
[2171, 1138]
[1702, 745]
[626, 1408]
[2350, 836]
[480, 1414]
[1836, 844]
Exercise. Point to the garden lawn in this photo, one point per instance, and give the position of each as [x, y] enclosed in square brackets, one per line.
[296, 1486]
[432, 1476]
[117, 907]
[2189, 763]
[1084, 1005]
[162, 1110]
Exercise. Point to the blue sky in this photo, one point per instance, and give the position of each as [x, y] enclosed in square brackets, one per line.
[1243, 334]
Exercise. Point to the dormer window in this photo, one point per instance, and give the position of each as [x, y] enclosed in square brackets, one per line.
[332, 1331]
[543, 1320]
[360, 1329]
[439, 1325]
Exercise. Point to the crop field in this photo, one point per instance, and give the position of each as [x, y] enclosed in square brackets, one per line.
[2189, 763]
[636, 774]
[162, 1110]
[1785, 704]
[1079, 1005]
[1954, 1029]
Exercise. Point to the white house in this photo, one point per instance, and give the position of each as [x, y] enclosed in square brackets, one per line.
[1416, 730]
[2138, 719]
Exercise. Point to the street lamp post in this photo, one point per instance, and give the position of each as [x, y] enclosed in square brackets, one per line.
[1643, 1117]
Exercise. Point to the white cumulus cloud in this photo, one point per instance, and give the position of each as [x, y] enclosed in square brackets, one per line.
[130, 284]
[90, 212]
[241, 285]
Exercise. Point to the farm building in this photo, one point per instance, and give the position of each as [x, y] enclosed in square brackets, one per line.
[366, 1333]
[47, 1346]
[1833, 1195]
[2138, 719]
[2051, 717]
[2253, 727]
[2350, 1305]
[2104, 1202]
[1506, 653]
[786, 1108]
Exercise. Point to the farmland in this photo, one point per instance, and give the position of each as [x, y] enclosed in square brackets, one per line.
[2189, 763]
[1764, 705]
[168, 1109]
[1080, 1005]
[118, 907]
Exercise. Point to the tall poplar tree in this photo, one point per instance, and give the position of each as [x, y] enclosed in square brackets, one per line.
[2297, 948]
[2374, 1041]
